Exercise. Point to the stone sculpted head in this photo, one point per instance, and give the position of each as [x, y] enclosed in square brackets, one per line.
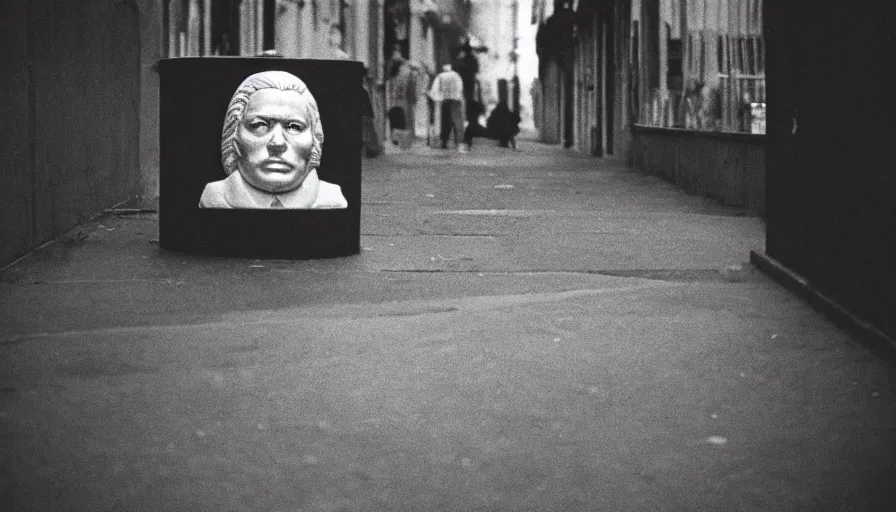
[272, 132]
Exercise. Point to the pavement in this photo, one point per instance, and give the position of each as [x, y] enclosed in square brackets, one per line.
[530, 330]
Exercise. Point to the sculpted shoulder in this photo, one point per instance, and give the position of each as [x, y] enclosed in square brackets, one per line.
[330, 196]
[213, 195]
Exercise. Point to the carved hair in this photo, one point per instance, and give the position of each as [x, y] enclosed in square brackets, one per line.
[230, 151]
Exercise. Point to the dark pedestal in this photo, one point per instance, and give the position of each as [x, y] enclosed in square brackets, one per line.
[194, 97]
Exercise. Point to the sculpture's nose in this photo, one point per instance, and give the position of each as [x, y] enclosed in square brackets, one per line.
[277, 142]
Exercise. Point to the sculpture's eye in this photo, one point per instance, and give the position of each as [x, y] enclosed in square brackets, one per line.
[296, 127]
[258, 126]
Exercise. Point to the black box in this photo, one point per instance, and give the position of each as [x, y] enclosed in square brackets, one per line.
[195, 92]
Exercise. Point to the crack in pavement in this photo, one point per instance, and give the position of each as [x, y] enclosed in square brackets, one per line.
[301, 316]
[399, 235]
[669, 275]
[739, 275]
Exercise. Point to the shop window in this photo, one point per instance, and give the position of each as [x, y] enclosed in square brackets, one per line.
[698, 64]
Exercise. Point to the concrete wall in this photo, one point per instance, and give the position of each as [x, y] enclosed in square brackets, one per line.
[622, 118]
[71, 105]
[16, 154]
[726, 166]
[551, 104]
[152, 49]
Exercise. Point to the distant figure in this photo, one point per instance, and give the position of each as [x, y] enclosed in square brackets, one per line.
[334, 44]
[467, 66]
[402, 92]
[503, 123]
[447, 88]
[224, 47]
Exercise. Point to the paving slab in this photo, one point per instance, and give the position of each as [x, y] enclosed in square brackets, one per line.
[524, 330]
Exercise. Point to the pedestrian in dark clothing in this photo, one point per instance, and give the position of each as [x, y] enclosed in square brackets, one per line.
[475, 108]
[467, 66]
[503, 123]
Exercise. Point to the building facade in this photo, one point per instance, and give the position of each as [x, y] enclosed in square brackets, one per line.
[681, 88]
[423, 31]
[493, 29]
[81, 87]
[677, 87]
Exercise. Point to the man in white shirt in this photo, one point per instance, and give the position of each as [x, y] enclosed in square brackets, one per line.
[448, 89]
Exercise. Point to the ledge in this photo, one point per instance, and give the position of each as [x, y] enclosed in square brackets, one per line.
[868, 335]
[754, 138]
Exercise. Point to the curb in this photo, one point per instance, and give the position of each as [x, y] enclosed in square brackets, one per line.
[869, 336]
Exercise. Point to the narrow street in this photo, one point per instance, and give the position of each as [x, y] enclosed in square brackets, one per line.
[530, 330]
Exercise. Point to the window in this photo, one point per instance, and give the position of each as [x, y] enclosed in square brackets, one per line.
[698, 64]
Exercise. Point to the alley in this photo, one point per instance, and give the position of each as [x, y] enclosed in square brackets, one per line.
[531, 330]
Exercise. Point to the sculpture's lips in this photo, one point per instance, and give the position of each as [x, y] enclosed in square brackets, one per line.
[276, 165]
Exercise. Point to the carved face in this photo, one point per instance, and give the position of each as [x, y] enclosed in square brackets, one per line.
[275, 140]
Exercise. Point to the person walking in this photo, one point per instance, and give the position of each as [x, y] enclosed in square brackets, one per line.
[401, 91]
[448, 89]
[475, 108]
[467, 66]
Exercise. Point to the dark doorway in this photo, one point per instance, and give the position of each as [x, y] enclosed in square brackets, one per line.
[269, 8]
[396, 23]
[225, 27]
[830, 184]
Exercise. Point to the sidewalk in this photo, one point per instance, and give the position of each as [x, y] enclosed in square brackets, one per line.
[524, 330]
